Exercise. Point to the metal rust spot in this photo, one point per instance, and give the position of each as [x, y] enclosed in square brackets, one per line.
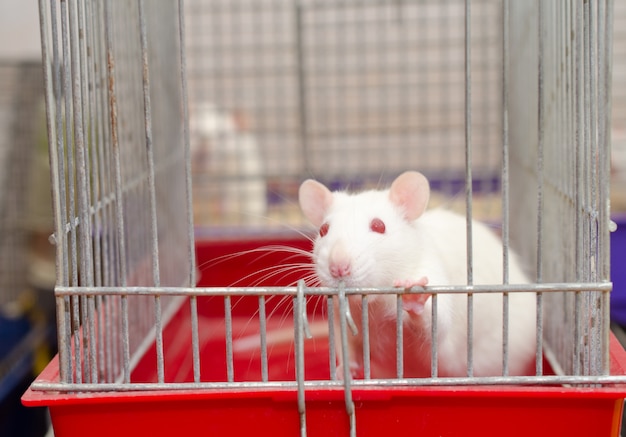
[112, 98]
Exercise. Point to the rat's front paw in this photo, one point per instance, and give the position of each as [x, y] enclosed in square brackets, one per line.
[413, 303]
[409, 283]
[356, 371]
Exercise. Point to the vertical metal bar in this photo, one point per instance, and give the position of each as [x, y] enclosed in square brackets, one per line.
[51, 75]
[195, 341]
[540, 141]
[347, 377]
[434, 336]
[505, 141]
[540, 180]
[560, 51]
[115, 145]
[125, 341]
[605, 27]
[399, 338]
[100, 193]
[448, 97]
[580, 138]
[299, 351]
[106, 316]
[90, 93]
[67, 150]
[110, 324]
[64, 242]
[91, 319]
[69, 126]
[468, 139]
[154, 232]
[117, 340]
[63, 322]
[86, 262]
[103, 142]
[301, 82]
[468, 183]
[332, 341]
[87, 235]
[539, 336]
[84, 335]
[228, 319]
[100, 328]
[571, 100]
[365, 331]
[191, 253]
[594, 346]
[185, 103]
[577, 333]
[159, 338]
[55, 133]
[263, 334]
[582, 298]
[505, 184]
[592, 82]
[149, 144]
[119, 195]
[605, 51]
[93, 142]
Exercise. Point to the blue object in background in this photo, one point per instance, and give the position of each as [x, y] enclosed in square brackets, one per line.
[13, 329]
[618, 272]
[17, 341]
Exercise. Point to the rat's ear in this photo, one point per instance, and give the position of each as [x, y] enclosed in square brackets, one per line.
[410, 192]
[315, 199]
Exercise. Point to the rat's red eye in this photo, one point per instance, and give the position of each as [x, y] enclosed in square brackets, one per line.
[377, 225]
[324, 229]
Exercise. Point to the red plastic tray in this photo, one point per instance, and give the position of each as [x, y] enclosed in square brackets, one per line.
[423, 411]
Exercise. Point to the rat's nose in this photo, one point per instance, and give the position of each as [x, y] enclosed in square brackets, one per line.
[339, 271]
[339, 262]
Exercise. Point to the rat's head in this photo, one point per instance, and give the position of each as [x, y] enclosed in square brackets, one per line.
[362, 238]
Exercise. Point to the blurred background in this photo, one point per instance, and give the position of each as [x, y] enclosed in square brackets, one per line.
[27, 274]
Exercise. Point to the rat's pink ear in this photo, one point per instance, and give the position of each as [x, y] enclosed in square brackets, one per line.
[410, 192]
[315, 199]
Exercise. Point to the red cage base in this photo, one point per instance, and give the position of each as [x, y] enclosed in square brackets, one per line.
[424, 411]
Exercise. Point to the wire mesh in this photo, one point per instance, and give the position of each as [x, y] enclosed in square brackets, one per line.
[559, 175]
[320, 85]
[115, 125]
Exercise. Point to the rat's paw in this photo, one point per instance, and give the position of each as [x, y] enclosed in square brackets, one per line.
[409, 283]
[356, 371]
[413, 303]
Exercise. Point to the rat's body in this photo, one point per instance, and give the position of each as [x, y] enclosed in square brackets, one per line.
[386, 238]
[229, 157]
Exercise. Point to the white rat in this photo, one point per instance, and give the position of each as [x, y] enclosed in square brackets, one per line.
[387, 238]
[225, 151]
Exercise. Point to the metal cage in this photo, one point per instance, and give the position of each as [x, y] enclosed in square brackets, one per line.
[117, 134]
[504, 105]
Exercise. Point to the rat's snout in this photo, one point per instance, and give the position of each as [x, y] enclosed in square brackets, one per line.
[339, 263]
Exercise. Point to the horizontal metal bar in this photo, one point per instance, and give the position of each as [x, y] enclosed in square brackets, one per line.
[358, 383]
[327, 291]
